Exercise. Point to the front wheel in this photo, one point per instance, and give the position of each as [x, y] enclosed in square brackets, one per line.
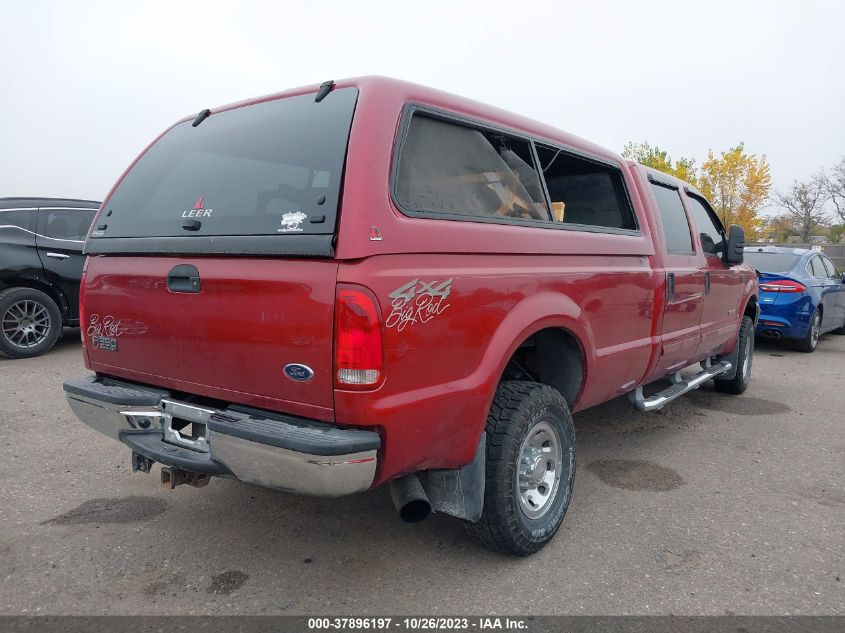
[744, 359]
[811, 339]
[30, 322]
[530, 468]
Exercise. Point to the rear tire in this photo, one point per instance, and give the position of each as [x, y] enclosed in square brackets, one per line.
[744, 360]
[530, 468]
[30, 323]
[811, 339]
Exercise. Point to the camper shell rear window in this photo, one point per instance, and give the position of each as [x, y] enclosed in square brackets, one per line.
[271, 170]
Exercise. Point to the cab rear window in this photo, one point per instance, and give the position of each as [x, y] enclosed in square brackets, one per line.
[269, 169]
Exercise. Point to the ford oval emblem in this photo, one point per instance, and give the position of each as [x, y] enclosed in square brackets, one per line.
[298, 372]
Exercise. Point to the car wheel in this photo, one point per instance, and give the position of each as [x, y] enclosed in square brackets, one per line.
[811, 339]
[744, 360]
[30, 322]
[530, 468]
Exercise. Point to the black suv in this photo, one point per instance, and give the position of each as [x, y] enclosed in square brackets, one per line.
[41, 264]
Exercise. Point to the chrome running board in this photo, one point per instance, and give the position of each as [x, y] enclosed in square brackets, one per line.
[679, 387]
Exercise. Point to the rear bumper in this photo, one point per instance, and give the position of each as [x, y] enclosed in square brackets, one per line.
[255, 446]
[784, 315]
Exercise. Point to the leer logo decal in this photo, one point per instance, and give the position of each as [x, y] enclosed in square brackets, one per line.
[198, 211]
[418, 302]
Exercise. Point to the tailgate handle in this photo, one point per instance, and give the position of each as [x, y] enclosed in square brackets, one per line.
[184, 278]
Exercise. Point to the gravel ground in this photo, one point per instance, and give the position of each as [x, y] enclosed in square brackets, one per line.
[717, 504]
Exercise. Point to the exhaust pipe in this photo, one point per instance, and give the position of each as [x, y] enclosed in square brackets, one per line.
[172, 477]
[409, 498]
[772, 334]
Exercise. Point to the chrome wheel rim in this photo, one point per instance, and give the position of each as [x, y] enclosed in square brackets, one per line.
[814, 336]
[26, 323]
[746, 363]
[538, 470]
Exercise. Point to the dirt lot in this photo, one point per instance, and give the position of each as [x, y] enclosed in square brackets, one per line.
[716, 505]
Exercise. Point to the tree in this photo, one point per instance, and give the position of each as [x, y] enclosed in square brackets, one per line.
[836, 232]
[737, 185]
[833, 185]
[804, 204]
[779, 228]
[659, 159]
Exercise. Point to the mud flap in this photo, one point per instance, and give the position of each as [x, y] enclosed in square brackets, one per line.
[732, 358]
[460, 492]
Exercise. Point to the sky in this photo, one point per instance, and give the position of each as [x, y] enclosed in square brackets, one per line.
[87, 84]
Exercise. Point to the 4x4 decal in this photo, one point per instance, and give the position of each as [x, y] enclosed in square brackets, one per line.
[418, 302]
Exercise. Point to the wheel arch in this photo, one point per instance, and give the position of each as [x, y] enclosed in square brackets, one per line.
[44, 286]
[544, 322]
[752, 308]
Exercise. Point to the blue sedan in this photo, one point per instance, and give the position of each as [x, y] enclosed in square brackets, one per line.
[802, 294]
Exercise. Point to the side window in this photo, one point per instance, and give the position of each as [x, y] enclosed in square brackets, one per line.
[584, 192]
[20, 219]
[712, 238]
[460, 170]
[674, 219]
[63, 224]
[818, 267]
[830, 268]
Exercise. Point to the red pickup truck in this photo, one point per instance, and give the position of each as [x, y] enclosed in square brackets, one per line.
[369, 281]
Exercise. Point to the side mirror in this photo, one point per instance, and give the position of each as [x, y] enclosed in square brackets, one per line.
[734, 252]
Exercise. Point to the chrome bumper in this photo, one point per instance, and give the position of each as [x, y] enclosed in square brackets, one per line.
[258, 447]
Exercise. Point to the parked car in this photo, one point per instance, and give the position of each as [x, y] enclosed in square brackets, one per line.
[802, 294]
[373, 282]
[41, 264]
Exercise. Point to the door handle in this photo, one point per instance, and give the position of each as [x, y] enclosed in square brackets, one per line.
[670, 287]
[58, 255]
[184, 278]
[707, 283]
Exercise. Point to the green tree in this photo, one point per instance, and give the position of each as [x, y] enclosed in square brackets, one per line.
[659, 159]
[836, 232]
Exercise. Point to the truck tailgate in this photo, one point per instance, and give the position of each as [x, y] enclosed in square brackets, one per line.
[229, 339]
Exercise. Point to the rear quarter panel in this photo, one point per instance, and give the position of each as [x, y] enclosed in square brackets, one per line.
[445, 355]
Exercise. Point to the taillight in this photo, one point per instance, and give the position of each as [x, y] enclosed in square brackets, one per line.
[782, 285]
[358, 340]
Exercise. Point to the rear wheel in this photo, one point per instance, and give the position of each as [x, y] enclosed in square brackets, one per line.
[744, 360]
[530, 468]
[30, 322]
[811, 339]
